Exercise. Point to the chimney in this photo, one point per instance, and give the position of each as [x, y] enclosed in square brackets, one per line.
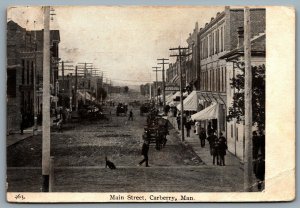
[240, 32]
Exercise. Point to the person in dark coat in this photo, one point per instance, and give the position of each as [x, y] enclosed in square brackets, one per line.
[178, 119]
[210, 129]
[222, 149]
[255, 142]
[259, 170]
[22, 124]
[202, 137]
[211, 140]
[130, 116]
[262, 144]
[188, 127]
[145, 150]
[215, 149]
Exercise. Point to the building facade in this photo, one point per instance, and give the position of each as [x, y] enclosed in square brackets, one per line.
[235, 60]
[217, 38]
[24, 65]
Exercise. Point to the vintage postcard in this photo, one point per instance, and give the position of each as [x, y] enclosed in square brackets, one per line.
[150, 104]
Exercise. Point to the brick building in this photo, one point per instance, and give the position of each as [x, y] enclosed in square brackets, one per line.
[216, 39]
[204, 71]
[24, 57]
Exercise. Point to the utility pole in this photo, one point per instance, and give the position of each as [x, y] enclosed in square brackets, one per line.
[70, 90]
[180, 55]
[63, 71]
[101, 99]
[163, 78]
[85, 78]
[248, 103]
[76, 83]
[35, 128]
[46, 102]
[155, 93]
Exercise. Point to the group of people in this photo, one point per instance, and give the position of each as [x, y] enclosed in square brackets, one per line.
[218, 147]
[187, 123]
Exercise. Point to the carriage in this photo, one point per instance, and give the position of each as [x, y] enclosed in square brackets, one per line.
[145, 108]
[91, 112]
[156, 131]
[121, 109]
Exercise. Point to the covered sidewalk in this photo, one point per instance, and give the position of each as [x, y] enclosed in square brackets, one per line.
[210, 112]
[191, 102]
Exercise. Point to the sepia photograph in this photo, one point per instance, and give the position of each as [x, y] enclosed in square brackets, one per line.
[139, 104]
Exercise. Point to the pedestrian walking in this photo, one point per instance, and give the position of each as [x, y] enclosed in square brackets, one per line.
[210, 129]
[202, 137]
[188, 127]
[60, 113]
[59, 125]
[130, 116]
[215, 150]
[222, 149]
[145, 150]
[259, 170]
[211, 140]
[197, 128]
[178, 121]
[22, 124]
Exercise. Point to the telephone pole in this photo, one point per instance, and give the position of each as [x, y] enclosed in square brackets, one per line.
[35, 128]
[155, 93]
[46, 102]
[84, 79]
[180, 55]
[163, 78]
[248, 103]
[76, 85]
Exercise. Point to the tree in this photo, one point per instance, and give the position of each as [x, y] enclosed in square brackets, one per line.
[237, 110]
[126, 89]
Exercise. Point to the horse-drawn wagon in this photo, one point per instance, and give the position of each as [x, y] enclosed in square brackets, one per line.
[156, 131]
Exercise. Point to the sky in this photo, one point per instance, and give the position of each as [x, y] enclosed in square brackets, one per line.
[124, 42]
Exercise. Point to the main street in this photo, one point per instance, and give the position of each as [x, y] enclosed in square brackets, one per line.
[79, 161]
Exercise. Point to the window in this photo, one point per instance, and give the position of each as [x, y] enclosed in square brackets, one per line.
[218, 79]
[231, 130]
[213, 44]
[222, 38]
[237, 134]
[225, 79]
[218, 41]
[222, 81]
[207, 81]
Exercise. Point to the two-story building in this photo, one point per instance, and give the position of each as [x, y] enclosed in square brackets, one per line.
[24, 65]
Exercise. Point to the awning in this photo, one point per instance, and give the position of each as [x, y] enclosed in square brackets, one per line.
[211, 112]
[191, 102]
[169, 98]
[88, 96]
[176, 96]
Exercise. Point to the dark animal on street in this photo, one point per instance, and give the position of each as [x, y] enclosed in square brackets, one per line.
[110, 164]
